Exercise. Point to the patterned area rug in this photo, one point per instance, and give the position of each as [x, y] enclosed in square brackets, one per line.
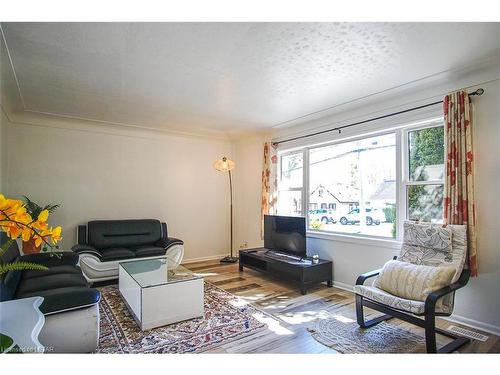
[345, 336]
[226, 319]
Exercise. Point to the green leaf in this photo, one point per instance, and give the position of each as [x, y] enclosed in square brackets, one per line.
[20, 266]
[5, 246]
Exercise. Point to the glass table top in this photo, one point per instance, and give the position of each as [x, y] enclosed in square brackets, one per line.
[154, 272]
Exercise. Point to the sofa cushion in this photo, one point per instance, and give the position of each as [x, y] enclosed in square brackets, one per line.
[51, 259]
[54, 270]
[116, 253]
[70, 298]
[411, 281]
[37, 284]
[123, 233]
[147, 251]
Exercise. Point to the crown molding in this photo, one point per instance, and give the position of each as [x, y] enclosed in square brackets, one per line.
[49, 120]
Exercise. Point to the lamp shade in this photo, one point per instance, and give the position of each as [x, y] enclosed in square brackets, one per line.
[224, 164]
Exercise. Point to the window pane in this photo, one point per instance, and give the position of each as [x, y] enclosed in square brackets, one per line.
[426, 154]
[353, 187]
[291, 171]
[290, 203]
[425, 203]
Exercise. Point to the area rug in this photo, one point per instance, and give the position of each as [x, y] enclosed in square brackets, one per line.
[226, 318]
[345, 336]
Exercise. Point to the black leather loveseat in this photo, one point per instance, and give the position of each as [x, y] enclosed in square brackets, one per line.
[70, 306]
[102, 244]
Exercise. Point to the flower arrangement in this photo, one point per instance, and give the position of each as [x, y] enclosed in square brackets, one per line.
[16, 222]
[34, 209]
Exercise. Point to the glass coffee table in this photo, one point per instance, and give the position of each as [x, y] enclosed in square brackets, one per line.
[159, 292]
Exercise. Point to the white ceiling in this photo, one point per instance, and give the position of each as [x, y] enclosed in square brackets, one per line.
[227, 76]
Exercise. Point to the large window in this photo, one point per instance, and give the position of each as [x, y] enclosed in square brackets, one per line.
[366, 186]
[355, 183]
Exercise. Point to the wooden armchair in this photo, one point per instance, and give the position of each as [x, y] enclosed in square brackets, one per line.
[438, 303]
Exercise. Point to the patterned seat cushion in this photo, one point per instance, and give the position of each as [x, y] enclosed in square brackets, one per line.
[428, 244]
[407, 305]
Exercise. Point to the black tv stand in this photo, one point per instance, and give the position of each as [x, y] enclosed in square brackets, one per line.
[300, 270]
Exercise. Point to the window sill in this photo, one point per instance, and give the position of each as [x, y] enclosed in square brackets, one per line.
[356, 239]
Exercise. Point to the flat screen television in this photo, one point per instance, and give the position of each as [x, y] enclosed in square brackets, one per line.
[286, 234]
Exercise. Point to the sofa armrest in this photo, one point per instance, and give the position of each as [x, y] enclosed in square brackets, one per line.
[86, 249]
[60, 258]
[166, 243]
[67, 301]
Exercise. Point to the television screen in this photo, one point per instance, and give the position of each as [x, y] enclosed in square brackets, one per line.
[286, 234]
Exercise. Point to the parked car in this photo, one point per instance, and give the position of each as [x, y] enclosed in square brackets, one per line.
[374, 216]
[325, 216]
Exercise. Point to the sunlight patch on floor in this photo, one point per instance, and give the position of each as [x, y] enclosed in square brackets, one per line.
[304, 316]
[272, 324]
[240, 302]
[342, 319]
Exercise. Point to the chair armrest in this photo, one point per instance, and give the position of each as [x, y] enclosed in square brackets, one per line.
[363, 277]
[432, 298]
[60, 258]
[66, 301]
[168, 242]
[86, 249]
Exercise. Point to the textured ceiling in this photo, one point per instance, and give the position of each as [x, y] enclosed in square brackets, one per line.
[227, 77]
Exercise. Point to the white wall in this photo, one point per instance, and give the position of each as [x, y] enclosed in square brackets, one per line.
[248, 175]
[123, 174]
[479, 303]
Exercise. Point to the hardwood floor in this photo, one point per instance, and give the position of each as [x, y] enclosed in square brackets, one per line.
[294, 313]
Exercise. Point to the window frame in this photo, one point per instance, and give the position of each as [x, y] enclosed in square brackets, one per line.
[406, 181]
[302, 189]
[401, 133]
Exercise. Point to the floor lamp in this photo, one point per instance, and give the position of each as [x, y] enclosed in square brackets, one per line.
[226, 165]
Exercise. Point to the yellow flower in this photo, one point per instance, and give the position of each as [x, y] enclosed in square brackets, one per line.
[26, 234]
[56, 234]
[15, 221]
[38, 240]
[13, 231]
[43, 216]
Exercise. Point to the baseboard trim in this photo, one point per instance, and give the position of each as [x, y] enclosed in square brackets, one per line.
[201, 259]
[486, 327]
[343, 286]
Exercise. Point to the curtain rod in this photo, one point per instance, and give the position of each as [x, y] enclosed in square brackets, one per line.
[478, 92]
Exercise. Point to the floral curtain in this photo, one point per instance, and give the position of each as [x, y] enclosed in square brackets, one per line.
[459, 203]
[269, 182]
